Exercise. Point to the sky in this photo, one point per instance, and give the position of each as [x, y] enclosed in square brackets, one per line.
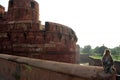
[96, 22]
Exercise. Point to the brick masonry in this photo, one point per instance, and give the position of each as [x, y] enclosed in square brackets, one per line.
[22, 34]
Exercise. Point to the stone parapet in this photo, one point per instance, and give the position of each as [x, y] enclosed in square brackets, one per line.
[22, 68]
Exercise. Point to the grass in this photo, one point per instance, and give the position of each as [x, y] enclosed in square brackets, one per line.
[96, 57]
[115, 57]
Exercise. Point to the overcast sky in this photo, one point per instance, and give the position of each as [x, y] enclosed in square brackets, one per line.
[96, 22]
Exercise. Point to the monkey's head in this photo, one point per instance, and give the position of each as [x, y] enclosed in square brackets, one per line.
[107, 52]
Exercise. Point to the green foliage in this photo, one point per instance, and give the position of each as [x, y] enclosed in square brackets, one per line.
[101, 50]
[115, 51]
[96, 57]
[87, 49]
[28, 67]
[115, 57]
[97, 52]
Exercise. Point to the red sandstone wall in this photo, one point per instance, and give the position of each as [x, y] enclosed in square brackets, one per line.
[21, 34]
[23, 10]
[30, 41]
[2, 11]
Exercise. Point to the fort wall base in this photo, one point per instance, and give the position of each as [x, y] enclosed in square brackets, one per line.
[22, 68]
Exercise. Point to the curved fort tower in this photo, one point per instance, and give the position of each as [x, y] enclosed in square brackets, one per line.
[22, 34]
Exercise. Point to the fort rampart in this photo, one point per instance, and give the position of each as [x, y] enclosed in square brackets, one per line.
[22, 34]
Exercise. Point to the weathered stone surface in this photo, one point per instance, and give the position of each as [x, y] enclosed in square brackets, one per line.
[2, 10]
[21, 68]
[21, 33]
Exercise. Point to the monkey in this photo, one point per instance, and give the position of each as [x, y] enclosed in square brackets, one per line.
[107, 62]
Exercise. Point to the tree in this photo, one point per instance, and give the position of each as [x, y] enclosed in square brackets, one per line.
[87, 49]
[115, 51]
[101, 50]
[96, 49]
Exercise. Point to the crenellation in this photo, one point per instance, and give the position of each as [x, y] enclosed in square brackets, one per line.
[22, 34]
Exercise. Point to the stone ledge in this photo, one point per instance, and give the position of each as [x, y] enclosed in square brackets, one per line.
[91, 72]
